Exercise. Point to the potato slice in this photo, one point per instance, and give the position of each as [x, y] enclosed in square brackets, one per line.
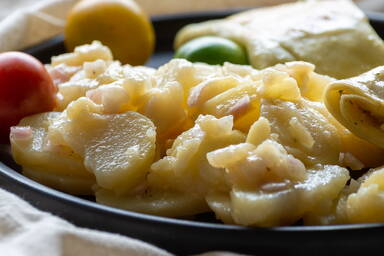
[311, 84]
[210, 88]
[367, 204]
[165, 107]
[278, 85]
[67, 183]
[242, 102]
[117, 148]
[285, 206]
[73, 125]
[334, 212]
[304, 132]
[72, 90]
[38, 151]
[185, 168]
[249, 167]
[165, 204]
[120, 156]
[46, 161]
[187, 74]
[367, 153]
[84, 53]
[259, 131]
[270, 187]
[113, 97]
[220, 204]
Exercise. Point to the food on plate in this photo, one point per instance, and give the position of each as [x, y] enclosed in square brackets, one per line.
[358, 104]
[333, 35]
[359, 202]
[212, 50]
[119, 24]
[117, 148]
[25, 89]
[270, 187]
[365, 204]
[255, 147]
[57, 166]
[303, 130]
[185, 167]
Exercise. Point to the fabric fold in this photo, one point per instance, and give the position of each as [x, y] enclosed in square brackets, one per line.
[26, 231]
[29, 26]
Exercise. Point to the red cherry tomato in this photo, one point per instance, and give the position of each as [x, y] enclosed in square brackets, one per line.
[25, 88]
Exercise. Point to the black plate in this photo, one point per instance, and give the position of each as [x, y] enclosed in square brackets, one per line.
[185, 237]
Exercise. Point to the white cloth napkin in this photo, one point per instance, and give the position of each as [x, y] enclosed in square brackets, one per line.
[33, 23]
[26, 231]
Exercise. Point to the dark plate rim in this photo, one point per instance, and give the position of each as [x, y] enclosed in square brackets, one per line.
[81, 203]
[29, 184]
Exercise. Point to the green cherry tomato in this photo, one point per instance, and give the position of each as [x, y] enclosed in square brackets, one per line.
[212, 50]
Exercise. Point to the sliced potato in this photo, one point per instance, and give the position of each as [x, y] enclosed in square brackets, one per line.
[71, 184]
[289, 204]
[52, 164]
[117, 148]
[165, 107]
[242, 102]
[161, 204]
[304, 132]
[185, 168]
[84, 53]
[220, 204]
[367, 203]
[210, 88]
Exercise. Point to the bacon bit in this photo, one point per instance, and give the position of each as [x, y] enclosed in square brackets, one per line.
[21, 133]
[241, 106]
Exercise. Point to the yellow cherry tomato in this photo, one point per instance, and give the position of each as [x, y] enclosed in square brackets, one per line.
[119, 24]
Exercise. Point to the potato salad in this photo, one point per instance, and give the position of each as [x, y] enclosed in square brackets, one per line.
[255, 147]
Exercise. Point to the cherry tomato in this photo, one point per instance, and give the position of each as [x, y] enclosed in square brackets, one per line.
[212, 50]
[25, 88]
[119, 24]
